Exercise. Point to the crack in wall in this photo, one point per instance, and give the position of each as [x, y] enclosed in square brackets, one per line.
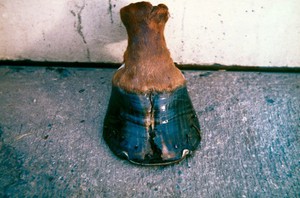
[79, 27]
[110, 6]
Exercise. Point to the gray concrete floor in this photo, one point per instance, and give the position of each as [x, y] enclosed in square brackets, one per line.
[51, 143]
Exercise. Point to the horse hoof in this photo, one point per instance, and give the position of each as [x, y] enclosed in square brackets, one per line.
[154, 128]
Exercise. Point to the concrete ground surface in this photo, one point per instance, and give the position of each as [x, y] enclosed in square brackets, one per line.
[51, 137]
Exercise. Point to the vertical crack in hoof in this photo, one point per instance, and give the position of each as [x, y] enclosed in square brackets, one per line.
[156, 151]
[152, 121]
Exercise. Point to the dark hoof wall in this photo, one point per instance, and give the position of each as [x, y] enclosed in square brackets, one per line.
[153, 128]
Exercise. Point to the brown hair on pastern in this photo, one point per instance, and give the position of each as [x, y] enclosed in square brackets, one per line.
[148, 63]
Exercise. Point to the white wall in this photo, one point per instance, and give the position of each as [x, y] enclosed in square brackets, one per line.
[241, 32]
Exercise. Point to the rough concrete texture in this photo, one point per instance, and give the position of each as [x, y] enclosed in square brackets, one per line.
[263, 32]
[51, 143]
